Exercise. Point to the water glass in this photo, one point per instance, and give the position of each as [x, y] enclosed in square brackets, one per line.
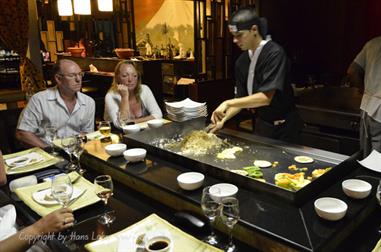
[62, 189]
[51, 135]
[123, 121]
[78, 151]
[211, 208]
[68, 144]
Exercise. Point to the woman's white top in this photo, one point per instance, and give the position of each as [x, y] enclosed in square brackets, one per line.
[149, 105]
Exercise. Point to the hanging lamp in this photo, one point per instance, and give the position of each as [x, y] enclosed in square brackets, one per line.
[105, 5]
[82, 7]
[65, 7]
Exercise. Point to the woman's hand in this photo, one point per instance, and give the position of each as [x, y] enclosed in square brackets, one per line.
[123, 90]
[56, 221]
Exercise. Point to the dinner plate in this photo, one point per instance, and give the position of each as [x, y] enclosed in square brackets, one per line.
[39, 196]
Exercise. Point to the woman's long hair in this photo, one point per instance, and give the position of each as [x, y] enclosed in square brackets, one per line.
[114, 84]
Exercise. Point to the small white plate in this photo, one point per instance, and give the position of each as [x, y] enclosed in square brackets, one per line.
[303, 159]
[262, 163]
[39, 196]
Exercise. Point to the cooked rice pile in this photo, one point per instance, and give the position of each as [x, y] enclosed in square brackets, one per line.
[199, 142]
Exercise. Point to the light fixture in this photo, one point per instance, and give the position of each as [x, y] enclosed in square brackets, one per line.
[65, 7]
[105, 5]
[82, 7]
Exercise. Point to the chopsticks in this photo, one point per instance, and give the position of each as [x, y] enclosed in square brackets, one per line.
[75, 199]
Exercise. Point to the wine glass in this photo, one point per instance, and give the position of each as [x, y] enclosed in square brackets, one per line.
[105, 128]
[78, 151]
[51, 135]
[68, 144]
[230, 216]
[123, 121]
[104, 190]
[210, 206]
[62, 189]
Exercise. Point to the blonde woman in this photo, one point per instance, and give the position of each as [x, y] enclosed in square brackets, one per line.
[128, 99]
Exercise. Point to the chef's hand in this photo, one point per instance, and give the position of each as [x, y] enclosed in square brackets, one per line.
[219, 113]
[217, 126]
[123, 90]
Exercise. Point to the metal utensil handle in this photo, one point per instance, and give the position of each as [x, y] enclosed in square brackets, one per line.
[75, 199]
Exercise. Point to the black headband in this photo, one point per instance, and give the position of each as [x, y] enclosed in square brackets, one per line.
[239, 26]
[260, 22]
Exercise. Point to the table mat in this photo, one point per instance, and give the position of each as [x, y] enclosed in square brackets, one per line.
[182, 241]
[47, 161]
[88, 198]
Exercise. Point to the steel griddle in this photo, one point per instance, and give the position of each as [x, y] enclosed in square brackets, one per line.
[153, 139]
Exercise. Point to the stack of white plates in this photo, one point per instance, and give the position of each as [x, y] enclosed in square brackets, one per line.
[186, 109]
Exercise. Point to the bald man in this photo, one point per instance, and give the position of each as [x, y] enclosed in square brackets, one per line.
[63, 106]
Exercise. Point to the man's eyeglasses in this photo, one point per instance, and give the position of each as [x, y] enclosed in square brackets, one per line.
[73, 75]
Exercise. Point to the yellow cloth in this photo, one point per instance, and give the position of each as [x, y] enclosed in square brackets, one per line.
[48, 160]
[182, 241]
[377, 248]
[88, 198]
[96, 135]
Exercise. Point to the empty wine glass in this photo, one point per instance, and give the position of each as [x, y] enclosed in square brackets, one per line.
[51, 135]
[78, 151]
[69, 144]
[123, 120]
[104, 190]
[211, 207]
[230, 216]
[62, 189]
[105, 128]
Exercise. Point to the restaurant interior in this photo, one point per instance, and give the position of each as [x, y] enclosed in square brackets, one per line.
[183, 50]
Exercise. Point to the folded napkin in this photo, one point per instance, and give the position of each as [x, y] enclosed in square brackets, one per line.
[21, 182]
[28, 160]
[372, 161]
[8, 225]
[88, 198]
[127, 237]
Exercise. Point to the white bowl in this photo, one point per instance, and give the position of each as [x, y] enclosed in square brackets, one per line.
[330, 208]
[226, 190]
[356, 188]
[115, 149]
[135, 154]
[158, 235]
[155, 123]
[133, 128]
[190, 180]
